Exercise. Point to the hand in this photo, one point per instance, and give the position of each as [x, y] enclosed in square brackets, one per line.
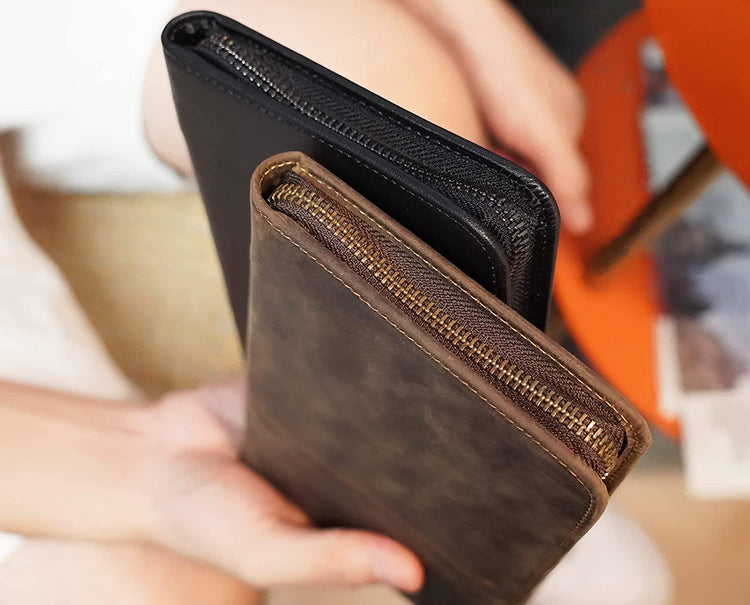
[169, 474]
[213, 508]
[532, 105]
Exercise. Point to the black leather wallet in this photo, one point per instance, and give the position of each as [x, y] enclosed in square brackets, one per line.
[241, 97]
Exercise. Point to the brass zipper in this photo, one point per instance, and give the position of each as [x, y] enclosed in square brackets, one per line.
[453, 333]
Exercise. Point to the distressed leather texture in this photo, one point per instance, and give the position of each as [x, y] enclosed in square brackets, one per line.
[362, 419]
[231, 126]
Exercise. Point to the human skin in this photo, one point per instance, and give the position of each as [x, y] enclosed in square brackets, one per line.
[168, 474]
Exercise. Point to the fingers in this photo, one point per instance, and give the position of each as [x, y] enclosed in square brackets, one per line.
[230, 517]
[272, 543]
[553, 155]
[532, 104]
[225, 514]
[544, 143]
[302, 555]
[566, 174]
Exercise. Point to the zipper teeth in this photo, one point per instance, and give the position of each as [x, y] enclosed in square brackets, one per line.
[452, 332]
[224, 47]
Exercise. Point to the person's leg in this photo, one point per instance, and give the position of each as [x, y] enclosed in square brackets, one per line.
[376, 43]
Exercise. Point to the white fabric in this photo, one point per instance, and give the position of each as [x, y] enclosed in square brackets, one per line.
[45, 338]
[9, 543]
[71, 78]
[614, 563]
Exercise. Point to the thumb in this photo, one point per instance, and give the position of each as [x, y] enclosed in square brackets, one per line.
[303, 555]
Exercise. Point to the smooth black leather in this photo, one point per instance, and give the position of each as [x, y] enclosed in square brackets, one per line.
[231, 126]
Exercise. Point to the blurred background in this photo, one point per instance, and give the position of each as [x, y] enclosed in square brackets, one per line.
[656, 296]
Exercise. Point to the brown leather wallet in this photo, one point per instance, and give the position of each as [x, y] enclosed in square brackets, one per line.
[389, 391]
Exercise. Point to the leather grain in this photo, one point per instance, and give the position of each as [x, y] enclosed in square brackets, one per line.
[365, 422]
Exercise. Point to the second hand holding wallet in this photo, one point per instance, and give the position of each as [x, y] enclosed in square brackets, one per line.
[397, 381]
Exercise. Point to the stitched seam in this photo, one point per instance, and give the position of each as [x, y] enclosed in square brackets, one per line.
[276, 166]
[549, 355]
[341, 151]
[584, 519]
